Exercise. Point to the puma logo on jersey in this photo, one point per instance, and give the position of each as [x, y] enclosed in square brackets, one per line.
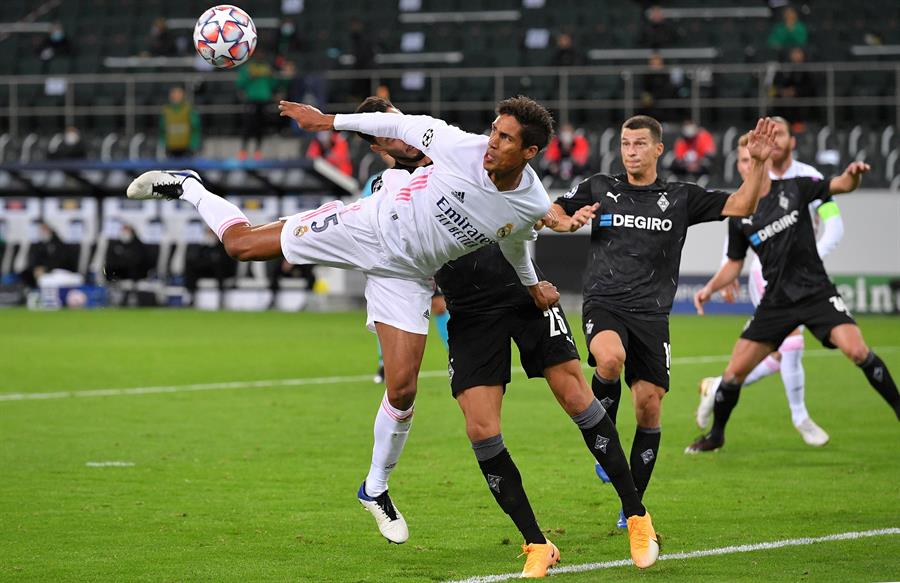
[747, 221]
[615, 197]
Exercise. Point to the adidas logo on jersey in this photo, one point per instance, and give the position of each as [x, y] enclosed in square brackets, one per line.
[635, 222]
[774, 228]
[458, 195]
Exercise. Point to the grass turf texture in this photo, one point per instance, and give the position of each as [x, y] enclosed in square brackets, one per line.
[258, 484]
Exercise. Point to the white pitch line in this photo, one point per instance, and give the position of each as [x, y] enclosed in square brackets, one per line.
[111, 464]
[299, 382]
[794, 542]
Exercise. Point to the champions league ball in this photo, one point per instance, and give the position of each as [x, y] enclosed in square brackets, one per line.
[225, 36]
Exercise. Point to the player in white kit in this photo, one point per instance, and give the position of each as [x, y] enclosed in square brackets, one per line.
[787, 359]
[480, 190]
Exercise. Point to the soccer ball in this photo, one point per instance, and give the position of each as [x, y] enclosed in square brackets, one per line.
[225, 36]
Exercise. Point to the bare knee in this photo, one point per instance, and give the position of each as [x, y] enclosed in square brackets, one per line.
[609, 365]
[401, 389]
[858, 352]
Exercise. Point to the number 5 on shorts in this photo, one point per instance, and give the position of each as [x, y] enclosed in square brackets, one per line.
[329, 220]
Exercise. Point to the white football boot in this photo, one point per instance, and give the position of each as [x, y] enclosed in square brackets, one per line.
[812, 434]
[708, 388]
[160, 184]
[389, 520]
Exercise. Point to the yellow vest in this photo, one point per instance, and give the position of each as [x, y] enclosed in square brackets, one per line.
[178, 126]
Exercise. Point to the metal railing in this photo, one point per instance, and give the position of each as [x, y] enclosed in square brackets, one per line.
[622, 85]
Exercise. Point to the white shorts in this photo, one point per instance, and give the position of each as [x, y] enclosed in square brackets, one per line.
[333, 235]
[401, 303]
[342, 236]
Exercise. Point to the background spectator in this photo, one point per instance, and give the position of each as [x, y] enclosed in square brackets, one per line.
[794, 83]
[334, 148]
[694, 151]
[788, 33]
[565, 55]
[70, 148]
[127, 259]
[208, 260]
[257, 85]
[657, 32]
[47, 254]
[656, 85]
[55, 44]
[179, 126]
[161, 42]
[567, 154]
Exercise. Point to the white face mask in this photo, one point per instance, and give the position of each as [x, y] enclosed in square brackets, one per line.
[689, 131]
[126, 237]
[567, 138]
[71, 137]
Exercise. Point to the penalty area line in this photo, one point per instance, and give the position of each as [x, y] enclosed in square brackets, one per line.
[309, 381]
[730, 550]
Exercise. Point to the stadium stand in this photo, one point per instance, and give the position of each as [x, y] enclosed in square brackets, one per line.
[452, 58]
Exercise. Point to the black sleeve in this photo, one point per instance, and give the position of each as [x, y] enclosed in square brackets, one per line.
[580, 195]
[705, 205]
[813, 188]
[737, 242]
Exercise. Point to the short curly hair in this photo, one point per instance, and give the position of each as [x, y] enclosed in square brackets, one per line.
[536, 121]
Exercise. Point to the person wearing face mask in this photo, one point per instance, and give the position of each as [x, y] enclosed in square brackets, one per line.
[55, 44]
[47, 253]
[126, 259]
[70, 148]
[334, 148]
[694, 150]
[567, 155]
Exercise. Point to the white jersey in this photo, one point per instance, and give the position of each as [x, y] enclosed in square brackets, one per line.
[443, 211]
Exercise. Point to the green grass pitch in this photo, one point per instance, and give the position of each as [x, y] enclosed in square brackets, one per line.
[258, 483]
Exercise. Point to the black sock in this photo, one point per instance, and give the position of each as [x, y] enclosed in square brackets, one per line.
[880, 379]
[726, 400]
[609, 393]
[505, 483]
[602, 439]
[644, 450]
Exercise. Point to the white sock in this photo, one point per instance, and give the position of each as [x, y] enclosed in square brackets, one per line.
[216, 212]
[794, 377]
[391, 431]
[767, 367]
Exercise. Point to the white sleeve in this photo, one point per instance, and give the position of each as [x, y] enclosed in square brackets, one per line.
[516, 252]
[832, 233]
[430, 135]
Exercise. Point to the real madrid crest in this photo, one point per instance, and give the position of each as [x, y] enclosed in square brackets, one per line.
[301, 230]
[663, 202]
[504, 230]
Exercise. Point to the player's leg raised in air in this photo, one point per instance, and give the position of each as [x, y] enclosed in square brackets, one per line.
[397, 308]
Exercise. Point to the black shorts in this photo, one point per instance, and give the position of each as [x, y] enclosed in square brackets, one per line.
[480, 352]
[821, 314]
[648, 352]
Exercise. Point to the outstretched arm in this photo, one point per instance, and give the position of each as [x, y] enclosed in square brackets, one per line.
[557, 219]
[849, 180]
[729, 272]
[742, 203]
